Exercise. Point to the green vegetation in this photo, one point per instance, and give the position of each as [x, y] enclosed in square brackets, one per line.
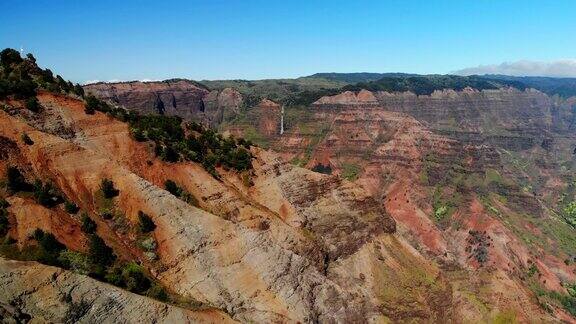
[350, 171]
[202, 144]
[49, 247]
[180, 192]
[321, 168]
[440, 213]
[46, 194]
[547, 298]
[16, 181]
[100, 263]
[290, 92]
[88, 225]
[4, 223]
[100, 254]
[21, 78]
[70, 207]
[107, 188]
[75, 261]
[130, 276]
[570, 213]
[426, 84]
[33, 105]
[145, 223]
[26, 139]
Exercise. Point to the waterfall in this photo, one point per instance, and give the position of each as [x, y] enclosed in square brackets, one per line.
[282, 121]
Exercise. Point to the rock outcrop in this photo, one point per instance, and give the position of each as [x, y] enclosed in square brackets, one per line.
[187, 99]
[43, 294]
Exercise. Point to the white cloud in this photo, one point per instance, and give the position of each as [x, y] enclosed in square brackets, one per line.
[559, 68]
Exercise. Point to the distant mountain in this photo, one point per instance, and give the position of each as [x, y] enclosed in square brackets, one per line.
[357, 76]
[564, 87]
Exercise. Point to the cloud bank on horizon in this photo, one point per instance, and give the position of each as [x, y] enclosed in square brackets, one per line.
[560, 68]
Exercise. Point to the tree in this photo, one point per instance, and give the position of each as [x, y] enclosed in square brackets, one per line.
[47, 76]
[9, 56]
[26, 139]
[169, 154]
[23, 89]
[134, 278]
[16, 181]
[33, 105]
[71, 208]
[107, 187]
[172, 188]
[46, 195]
[100, 253]
[88, 225]
[50, 247]
[146, 224]
[31, 57]
[78, 90]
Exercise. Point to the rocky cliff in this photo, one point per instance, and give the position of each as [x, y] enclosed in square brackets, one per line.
[450, 165]
[477, 182]
[187, 99]
[33, 292]
[286, 248]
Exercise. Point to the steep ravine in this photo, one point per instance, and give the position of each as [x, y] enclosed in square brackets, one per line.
[302, 265]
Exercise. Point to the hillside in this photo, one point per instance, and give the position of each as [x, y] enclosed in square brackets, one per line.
[254, 245]
[456, 206]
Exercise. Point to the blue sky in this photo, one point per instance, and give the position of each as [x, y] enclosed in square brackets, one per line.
[126, 40]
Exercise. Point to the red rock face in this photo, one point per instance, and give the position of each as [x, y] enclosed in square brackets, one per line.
[186, 99]
[410, 149]
[491, 158]
[268, 117]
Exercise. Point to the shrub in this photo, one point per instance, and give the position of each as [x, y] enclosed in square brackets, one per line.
[31, 57]
[184, 195]
[89, 110]
[146, 224]
[88, 225]
[135, 279]
[106, 214]
[172, 188]
[46, 195]
[137, 134]
[33, 105]
[50, 248]
[9, 56]
[107, 187]
[47, 76]
[4, 204]
[3, 223]
[71, 208]
[16, 181]
[78, 90]
[114, 276]
[26, 139]
[74, 261]
[321, 168]
[100, 253]
[157, 292]
[570, 213]
[23, 89]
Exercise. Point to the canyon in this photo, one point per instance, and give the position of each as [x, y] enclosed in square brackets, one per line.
[369, 206]
[475, 179]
